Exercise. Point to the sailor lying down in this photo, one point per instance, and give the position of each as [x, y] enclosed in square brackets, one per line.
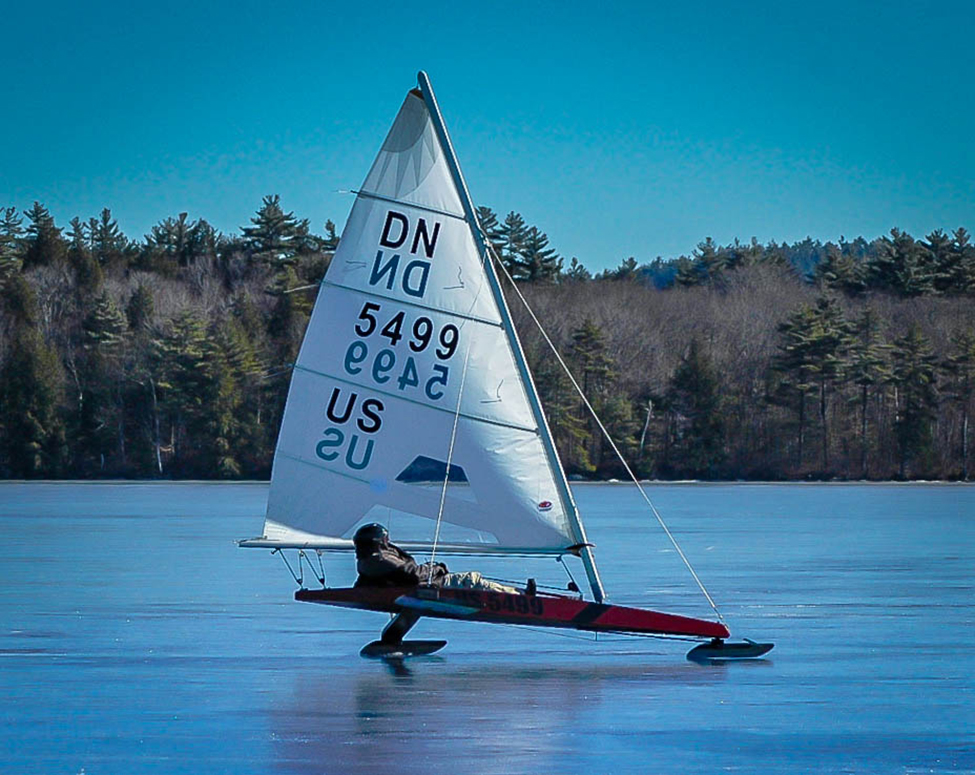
[383, 564]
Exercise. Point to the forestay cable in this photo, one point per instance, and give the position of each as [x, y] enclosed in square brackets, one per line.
[602, 428]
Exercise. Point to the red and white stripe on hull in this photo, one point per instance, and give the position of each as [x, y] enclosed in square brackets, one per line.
[540, 610]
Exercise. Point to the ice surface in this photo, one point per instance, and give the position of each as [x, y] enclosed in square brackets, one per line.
[135, 637]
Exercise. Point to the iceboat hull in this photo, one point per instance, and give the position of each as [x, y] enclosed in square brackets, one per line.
[539, 610]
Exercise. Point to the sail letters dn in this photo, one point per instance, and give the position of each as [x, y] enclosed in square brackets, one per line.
[422, 240]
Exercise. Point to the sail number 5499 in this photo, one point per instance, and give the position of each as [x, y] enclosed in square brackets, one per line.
[420, 334]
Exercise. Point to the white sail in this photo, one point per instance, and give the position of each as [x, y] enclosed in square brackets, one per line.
[406, 350]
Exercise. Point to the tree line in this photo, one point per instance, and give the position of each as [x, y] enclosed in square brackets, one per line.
[170, 356]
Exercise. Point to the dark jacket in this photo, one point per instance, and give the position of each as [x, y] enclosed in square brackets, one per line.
[386, 565]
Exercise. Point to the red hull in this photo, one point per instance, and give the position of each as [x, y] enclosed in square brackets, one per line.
[541, 610]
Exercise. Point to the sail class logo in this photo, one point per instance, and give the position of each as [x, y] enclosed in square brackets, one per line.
[545, 506]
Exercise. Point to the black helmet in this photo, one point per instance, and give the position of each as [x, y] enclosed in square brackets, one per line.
[370, 534]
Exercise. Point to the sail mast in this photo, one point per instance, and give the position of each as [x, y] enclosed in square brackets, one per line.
[575, 523]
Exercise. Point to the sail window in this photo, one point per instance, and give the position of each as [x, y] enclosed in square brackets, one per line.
[427, 469]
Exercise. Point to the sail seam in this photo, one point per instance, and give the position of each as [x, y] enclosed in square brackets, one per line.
[391, 200]
[403, 302]
[321, 467]
[465, 415]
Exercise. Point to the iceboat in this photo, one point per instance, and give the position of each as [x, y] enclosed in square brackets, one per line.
[411, 369]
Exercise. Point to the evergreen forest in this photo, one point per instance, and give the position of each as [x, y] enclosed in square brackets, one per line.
[170, 356]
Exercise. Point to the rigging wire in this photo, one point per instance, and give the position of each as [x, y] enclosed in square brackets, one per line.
[572, 578]
[321, 565]
[450, 456]
[299, 580]
[453, 430]
[605, 432]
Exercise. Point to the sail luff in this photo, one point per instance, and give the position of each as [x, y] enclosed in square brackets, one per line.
[574, 521]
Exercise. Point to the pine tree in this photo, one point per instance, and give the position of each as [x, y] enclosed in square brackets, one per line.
[901, 265]
[710, 259]
[43, 244]
[537, 262]
[562, 411]
[289, 316]
[209, 382]
[773, 254]
[740, 256]
[593, 367]
[205, 242]
[87, 271]
[868, 369]
[797, 369]
[181, 363]
[20, 301]
[276, 237]
[958, 272]
[619, 418]
[176, 243]
[940, 258]
[11, 242]
[105, 326]
[168, 243]
[915, 378]
[109, 246]
[331, 241]
[512, 235]
[595, 371]
[266, 383]
[250, 317]
[840, 272]
[143, 381]
[242, 432]
[103, 407]
[832, 339]
[627, 270]
[222, 406]
[490, 229]
[708, 262]
[31, 392]
[695, 406]
[139, 310]
[687, 273]
[959, 387]
[576, 272]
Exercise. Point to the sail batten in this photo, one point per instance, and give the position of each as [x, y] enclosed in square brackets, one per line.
[464, 415]
[452, 313]
[391, 200]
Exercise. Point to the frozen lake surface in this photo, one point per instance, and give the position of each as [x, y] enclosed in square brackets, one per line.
[136, 638]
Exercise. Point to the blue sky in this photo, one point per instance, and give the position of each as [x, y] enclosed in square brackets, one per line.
[618, 128]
